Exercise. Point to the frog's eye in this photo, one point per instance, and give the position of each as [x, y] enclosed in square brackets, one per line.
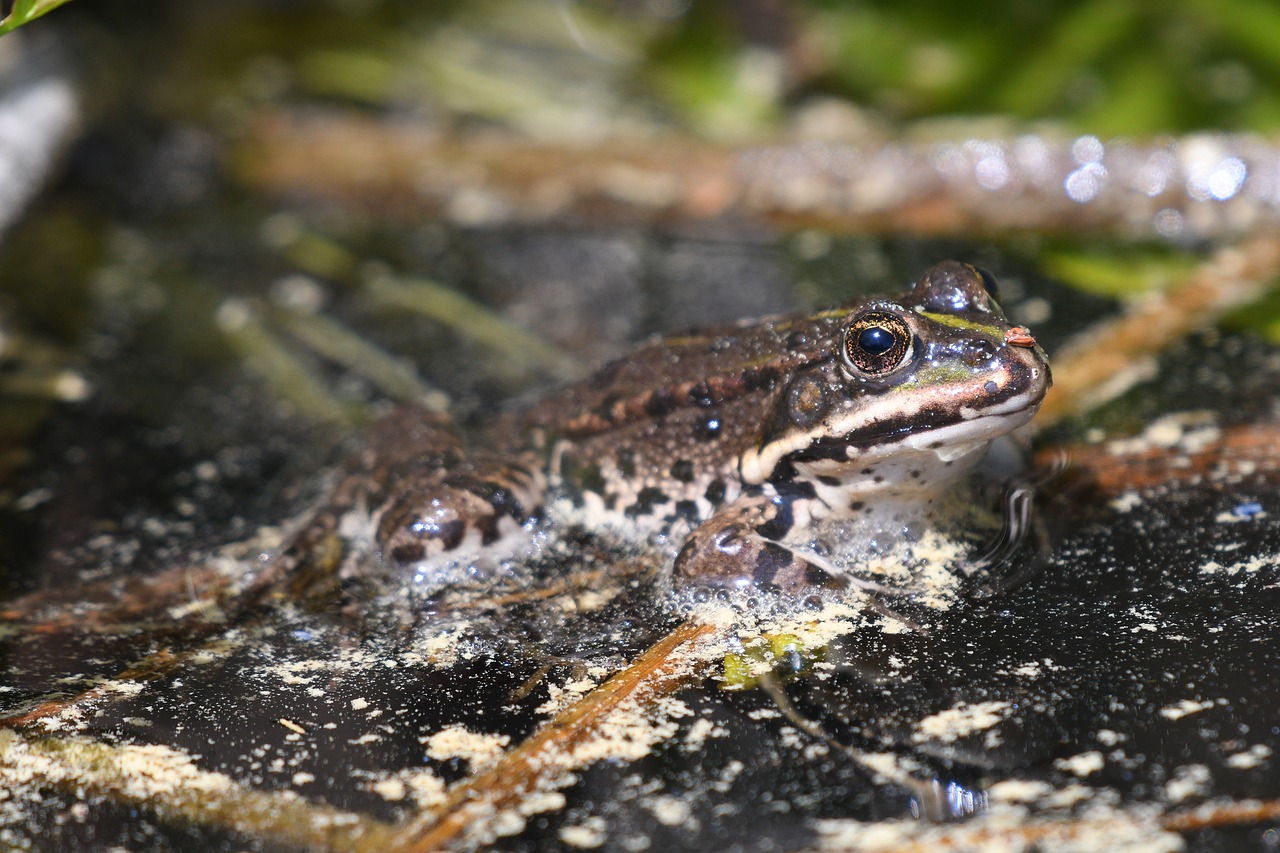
[876, 343]
[988, 283]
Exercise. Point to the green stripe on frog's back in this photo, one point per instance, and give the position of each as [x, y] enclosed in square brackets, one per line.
[990, 330]
[933, 376]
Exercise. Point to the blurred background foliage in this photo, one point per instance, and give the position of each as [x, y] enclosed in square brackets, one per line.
[1109, 67]
[15, 13]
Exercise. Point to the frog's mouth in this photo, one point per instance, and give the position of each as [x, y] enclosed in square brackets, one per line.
[950, 422]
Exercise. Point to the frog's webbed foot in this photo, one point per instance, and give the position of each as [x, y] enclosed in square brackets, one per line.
[741, 547]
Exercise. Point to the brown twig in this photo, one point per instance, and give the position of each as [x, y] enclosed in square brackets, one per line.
[656, 673]
[123, 600]
[151, 667]
[1115, 355]
[963, 186]
[1217, 815]
[1094, 832]
[1252, 451]
[170, 784]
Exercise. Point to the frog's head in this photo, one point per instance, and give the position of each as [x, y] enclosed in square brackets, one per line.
[938, 374]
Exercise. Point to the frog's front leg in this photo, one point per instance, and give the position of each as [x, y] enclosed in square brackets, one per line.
[743, 545]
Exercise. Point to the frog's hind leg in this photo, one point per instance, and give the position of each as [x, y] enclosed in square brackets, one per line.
[412, 492]
[459, 510]
[313, 555]
[422, 494]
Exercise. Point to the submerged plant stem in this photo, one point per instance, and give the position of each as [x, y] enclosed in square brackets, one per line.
[343, 346]
[172, 785]
[659, 671]
[520, 348]
[1114, 356]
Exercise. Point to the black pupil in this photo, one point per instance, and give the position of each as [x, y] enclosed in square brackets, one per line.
[875, 340]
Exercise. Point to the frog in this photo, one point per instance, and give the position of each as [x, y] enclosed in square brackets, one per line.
[723, 452]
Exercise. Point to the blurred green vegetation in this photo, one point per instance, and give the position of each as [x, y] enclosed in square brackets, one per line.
[24, 11]
[1108, 67]
[735, 69]
[1120, 272]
